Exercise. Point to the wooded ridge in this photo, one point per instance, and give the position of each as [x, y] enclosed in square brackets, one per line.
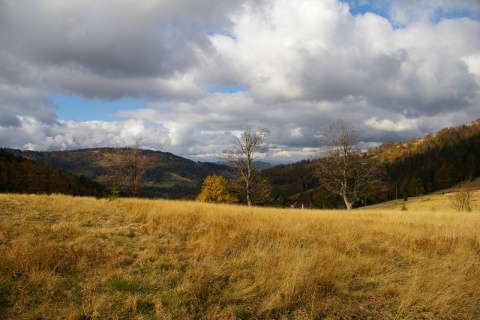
[412, 168]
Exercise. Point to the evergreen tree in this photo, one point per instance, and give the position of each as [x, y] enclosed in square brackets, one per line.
[445, 176]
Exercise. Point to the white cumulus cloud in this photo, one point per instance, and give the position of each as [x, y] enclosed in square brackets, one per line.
[399, 68]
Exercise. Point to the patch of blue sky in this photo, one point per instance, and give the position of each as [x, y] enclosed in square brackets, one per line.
[78, 108]
[441, 14]
[382, 8]
[363, 6]
[226, 31]
[227, 89]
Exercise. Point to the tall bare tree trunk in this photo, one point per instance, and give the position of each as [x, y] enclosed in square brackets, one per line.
[348, 204]
[344, 170]
[241, 156]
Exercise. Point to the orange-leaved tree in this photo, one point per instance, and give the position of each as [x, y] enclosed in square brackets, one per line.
[215, 189]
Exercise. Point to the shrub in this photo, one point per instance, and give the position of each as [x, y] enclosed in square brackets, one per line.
[215, 189]
[461, 201]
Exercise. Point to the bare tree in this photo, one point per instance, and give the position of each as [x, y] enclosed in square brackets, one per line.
[129, 167]
[135, 167]
[242, 154]
[343, 169]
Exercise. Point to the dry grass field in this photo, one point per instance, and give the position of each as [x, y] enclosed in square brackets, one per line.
[63, 257]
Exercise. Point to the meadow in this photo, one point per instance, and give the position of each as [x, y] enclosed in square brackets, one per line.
[65, 257]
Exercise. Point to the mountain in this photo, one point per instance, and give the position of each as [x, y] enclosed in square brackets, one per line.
[412, 168]
[447, 137]
[257, 165]
[21, 175]
[432, 163]
[165, 175]
[262, 165]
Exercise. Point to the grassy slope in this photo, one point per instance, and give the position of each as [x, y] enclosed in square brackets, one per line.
[82, 258]
[439, 200]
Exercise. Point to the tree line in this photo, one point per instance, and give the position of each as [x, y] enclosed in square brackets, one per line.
[344, 175]
[343, 170]
[438, 168]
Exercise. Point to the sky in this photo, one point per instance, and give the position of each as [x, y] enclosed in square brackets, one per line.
[188, 76]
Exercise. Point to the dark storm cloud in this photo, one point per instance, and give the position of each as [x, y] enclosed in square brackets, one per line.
[145, 40]
[17, 102]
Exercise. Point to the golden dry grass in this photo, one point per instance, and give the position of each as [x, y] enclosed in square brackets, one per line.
[82, 258]
[439, 201]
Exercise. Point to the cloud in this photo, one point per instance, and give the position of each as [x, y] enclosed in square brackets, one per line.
[32, 134]
[403, 13]
[328, 55]
[473, 64]
[129, 44]
[403, 70]
[18, 101]
[392, 126]
[406, 12]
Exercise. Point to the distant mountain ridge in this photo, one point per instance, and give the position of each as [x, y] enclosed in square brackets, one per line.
[166, 175]
[415, 167]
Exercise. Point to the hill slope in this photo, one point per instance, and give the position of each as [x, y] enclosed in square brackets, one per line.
[447, 137]
[413, 168]
[436, 201]
[435, 162]
[166, 175]
[21, 175]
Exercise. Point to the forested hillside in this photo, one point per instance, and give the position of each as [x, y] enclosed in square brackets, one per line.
[452, 157]
[288, 180]
[164, 175]
[21, 175]
[447, 137]
[412, 168]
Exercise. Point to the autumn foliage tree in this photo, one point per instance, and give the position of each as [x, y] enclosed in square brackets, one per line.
[215, 189]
